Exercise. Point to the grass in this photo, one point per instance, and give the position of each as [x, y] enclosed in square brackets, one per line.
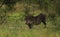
[16, 27]
[20, 29]
[15, 32]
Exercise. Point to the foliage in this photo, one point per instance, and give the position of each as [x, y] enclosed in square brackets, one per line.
[13, 23]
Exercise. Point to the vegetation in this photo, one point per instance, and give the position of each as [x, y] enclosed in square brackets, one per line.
[12, 18]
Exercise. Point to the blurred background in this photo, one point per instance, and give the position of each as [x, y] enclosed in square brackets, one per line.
[12, 18]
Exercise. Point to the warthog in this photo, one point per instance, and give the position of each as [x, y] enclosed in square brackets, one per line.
[35, 20]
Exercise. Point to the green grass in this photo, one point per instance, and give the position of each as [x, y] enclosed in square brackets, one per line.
[25, 32]
[16, 27]
[20, 29]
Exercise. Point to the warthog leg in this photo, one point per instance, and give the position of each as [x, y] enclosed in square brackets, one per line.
[30, 26]
[44, 24]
